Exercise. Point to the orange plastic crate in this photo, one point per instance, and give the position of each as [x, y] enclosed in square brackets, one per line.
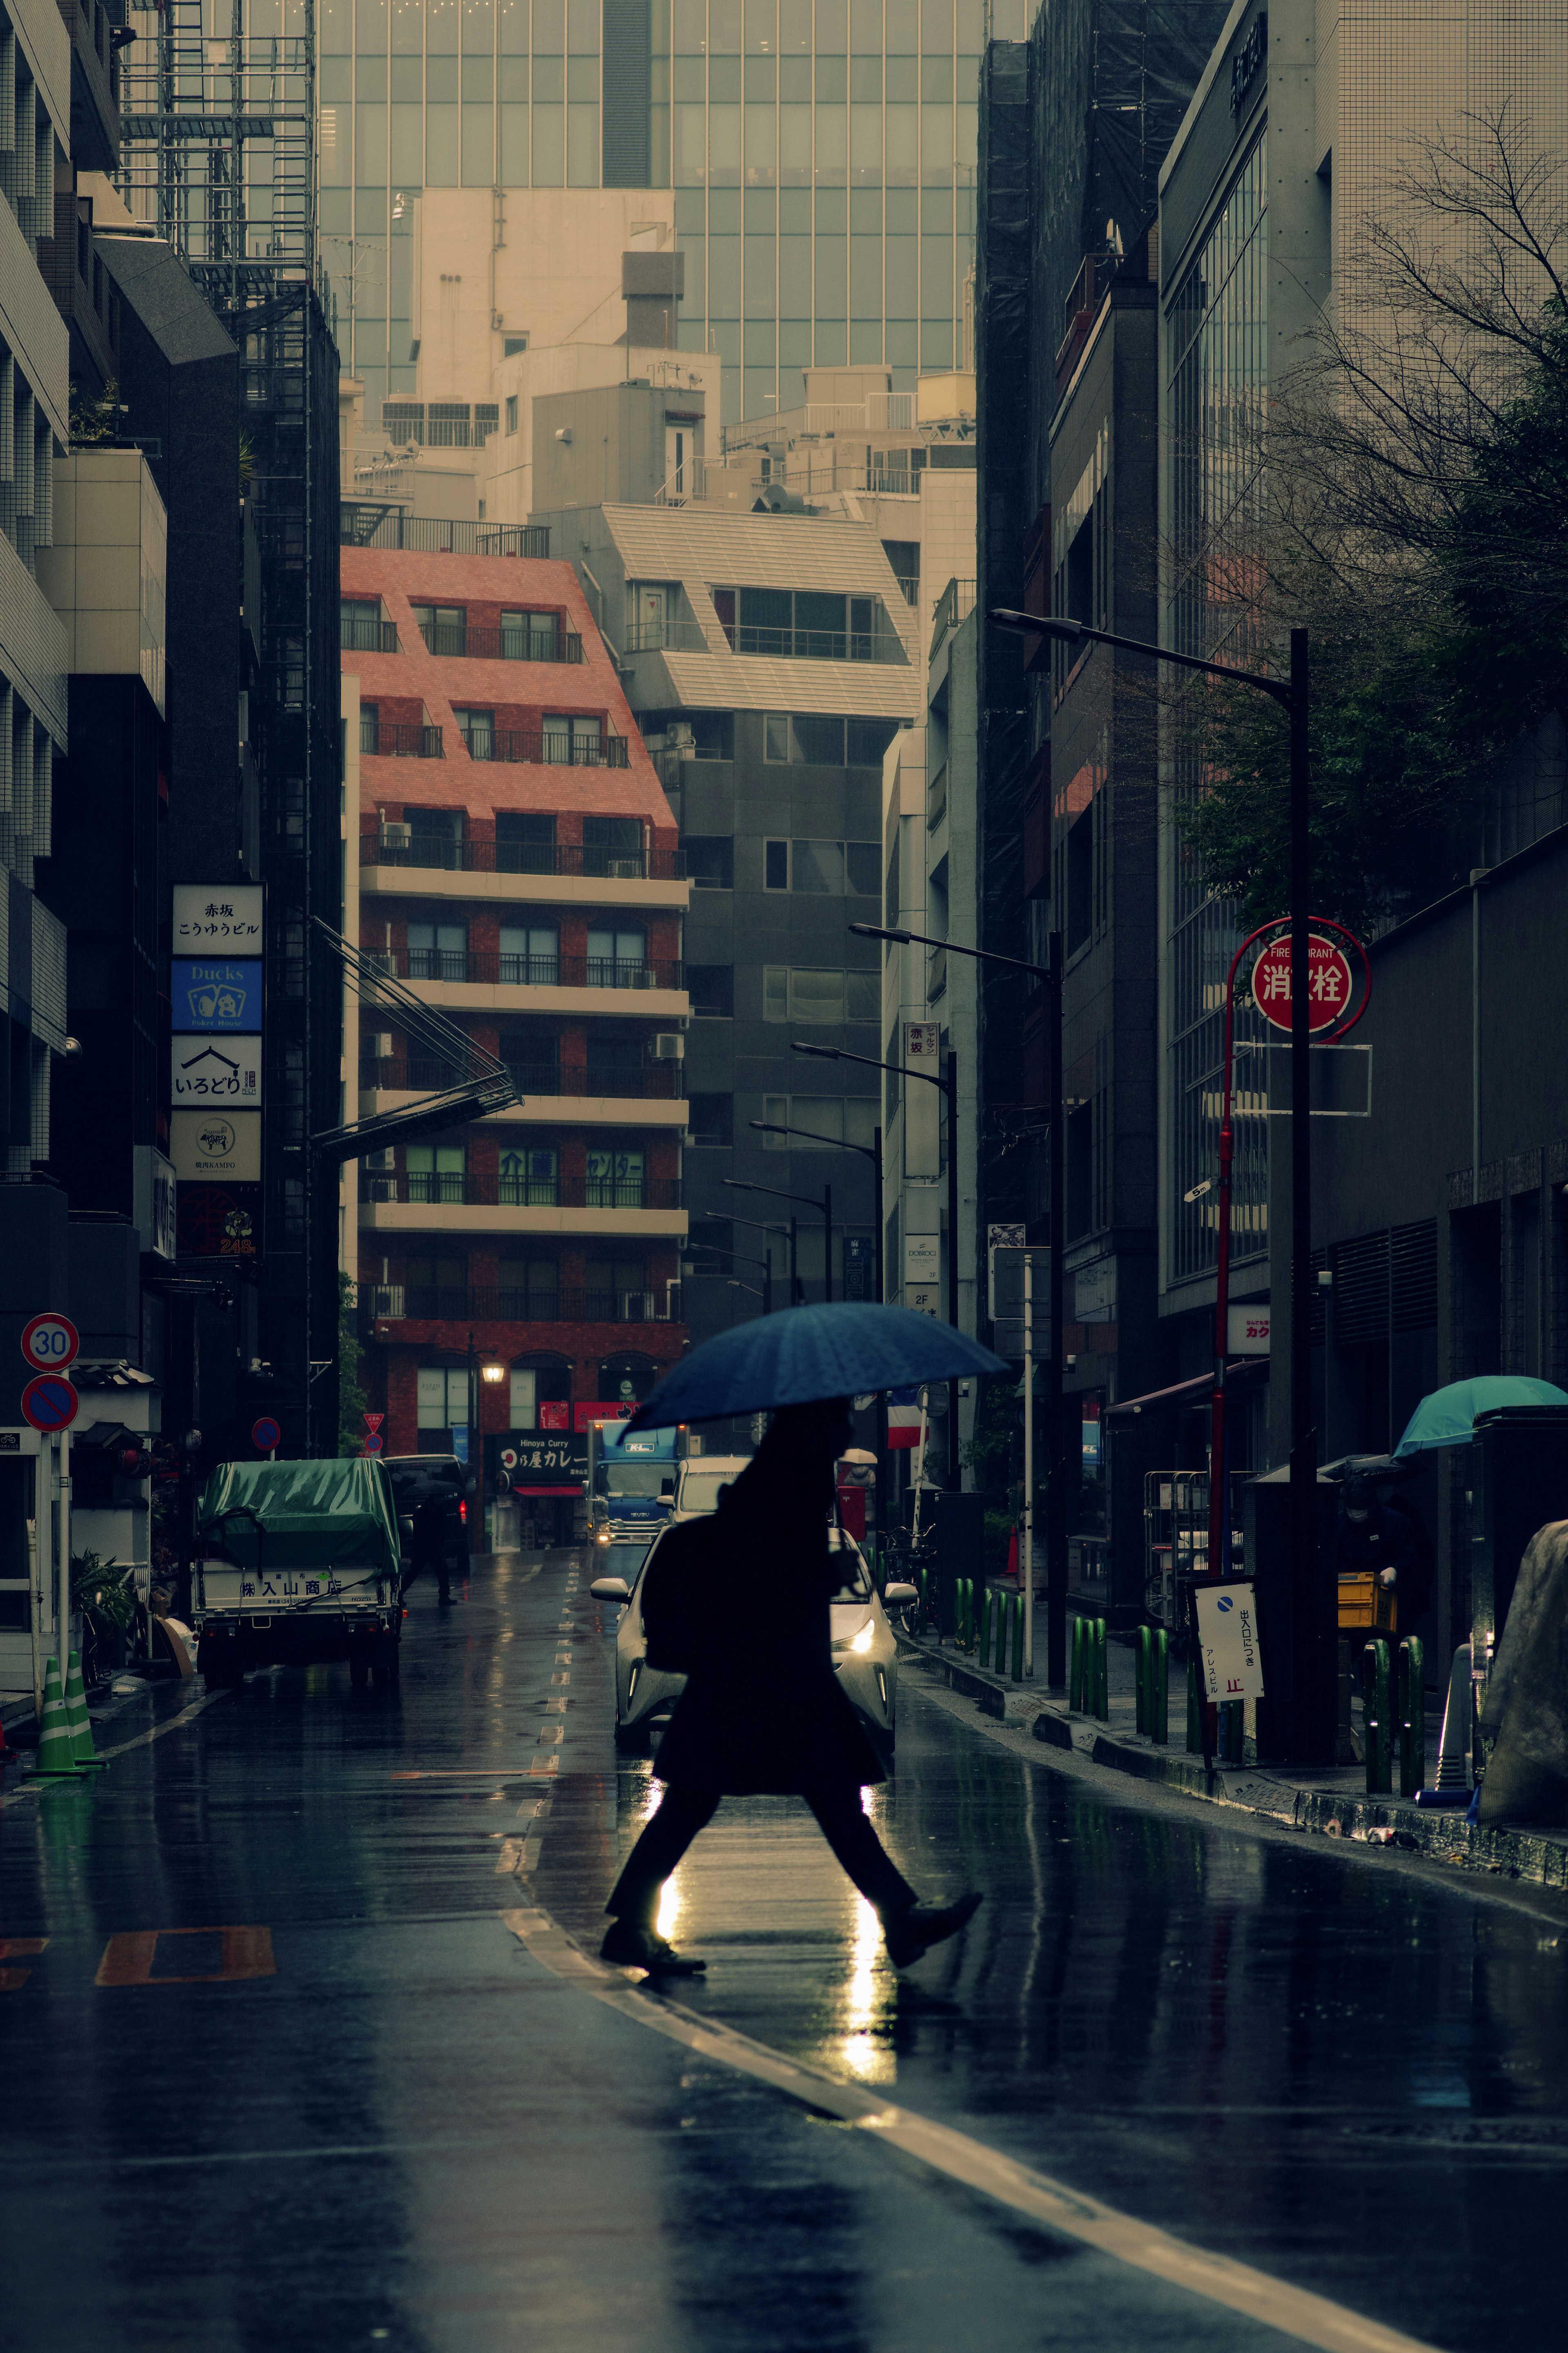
[1365, 1602]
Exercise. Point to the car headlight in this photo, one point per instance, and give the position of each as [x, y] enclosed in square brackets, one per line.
[602, 1535]
[865, 1638]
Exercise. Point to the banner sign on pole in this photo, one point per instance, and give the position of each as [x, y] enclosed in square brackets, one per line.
[1227, 1628]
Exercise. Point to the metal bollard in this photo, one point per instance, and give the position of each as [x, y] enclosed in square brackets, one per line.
[1160, 1684]
[1140, 1682]
[1074, 1667]
[985, 1603]
[1377, 1723]
[1102, 1673]
[1019, 1639]
[1195, 1721]
[1412, 1716]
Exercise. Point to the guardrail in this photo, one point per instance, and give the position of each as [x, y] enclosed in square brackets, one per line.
[454, 1188]
[503, 1303]
[816, 645]
[459, 641]
[356, 635]
[399, 739]
[574, 858]
[546, 748]
[493, 969]
[658, 1082]
[369, 523]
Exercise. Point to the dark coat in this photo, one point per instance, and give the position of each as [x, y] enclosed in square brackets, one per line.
[1391, 1537]
[763, 1713]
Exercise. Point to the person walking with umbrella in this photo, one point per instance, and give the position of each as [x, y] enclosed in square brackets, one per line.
[759, 1573]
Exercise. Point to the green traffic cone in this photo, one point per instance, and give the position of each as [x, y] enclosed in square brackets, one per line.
[56, 1759]
[85, 1756]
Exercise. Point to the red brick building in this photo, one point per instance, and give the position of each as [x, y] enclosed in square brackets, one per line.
[517, 868]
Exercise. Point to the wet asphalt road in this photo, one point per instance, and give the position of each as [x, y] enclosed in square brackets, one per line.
[368, 2116]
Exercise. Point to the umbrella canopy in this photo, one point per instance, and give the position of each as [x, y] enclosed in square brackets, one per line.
[1447, 1416]
[803, 1354]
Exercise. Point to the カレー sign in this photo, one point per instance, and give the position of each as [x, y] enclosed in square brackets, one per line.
[1227, 1628]
[1329, 982]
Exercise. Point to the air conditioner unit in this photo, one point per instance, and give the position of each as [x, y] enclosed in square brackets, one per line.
[386, 1159]
[624, 870]
[395, 836]
[383, 1188]
[669, 1046]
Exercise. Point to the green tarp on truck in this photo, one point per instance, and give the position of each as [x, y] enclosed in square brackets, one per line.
[312, 1514]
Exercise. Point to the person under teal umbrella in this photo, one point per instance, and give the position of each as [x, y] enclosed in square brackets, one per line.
[1447, 1416]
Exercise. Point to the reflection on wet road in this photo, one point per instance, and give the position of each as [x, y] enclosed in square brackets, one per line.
[410, 2133]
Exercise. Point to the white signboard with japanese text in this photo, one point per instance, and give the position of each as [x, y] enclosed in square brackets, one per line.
[220, 1069]
[218, 919]
[1248, 1329]
[1227, 1628]
[922, 1102]
[217, 1147]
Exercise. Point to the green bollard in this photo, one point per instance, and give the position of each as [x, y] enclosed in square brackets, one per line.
[986, 1599]
[1377, 1718]
[1160, 1684]
[1102, 1673]
[1412, 1716]
[1073, 1678]
[1194, 1722]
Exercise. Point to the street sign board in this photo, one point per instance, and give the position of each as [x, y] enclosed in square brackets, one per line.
[265, 1433]
[373, 1420]
[50, 1342]
[207, 1069]
[218, 919]
[1248, 1333]
[218, 993]
[49, 1402]
[1329, 982]
[217, 1147]
[1227, 1628]
[374, 1442]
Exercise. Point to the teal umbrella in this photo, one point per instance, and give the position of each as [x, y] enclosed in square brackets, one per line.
[1447, 1416]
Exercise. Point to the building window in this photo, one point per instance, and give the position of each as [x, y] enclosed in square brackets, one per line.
[712, 1123]
[437, 1171]
[800, 624]
[615, 1176]
[368, 733]
[529, 956]
[532, 1059]
[529, 1293]
[616, 1062]
[436, 836]
[525, 843]
[709, 861]
[618, 1291]
[617, 958]
[437, 951]
[442, 1400]
[800, 993]
[435, 1283]
[613, 845]
[530, 1178]
[831, 1119]
[775, 866]
[511, 409]
[511, 343]
[478, 730]
[444, 627]
[822, 870]
[361, 630]
[712, 991]
[810, 739]
[904, 556]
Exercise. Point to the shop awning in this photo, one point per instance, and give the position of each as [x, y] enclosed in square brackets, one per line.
[1185, 1392]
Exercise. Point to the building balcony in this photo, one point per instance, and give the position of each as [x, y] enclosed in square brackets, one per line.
[817, 645]
[551, 1096]
[399, 740]
[399, 845]
[370, 522]
[396, 1302]
[481, 886]
[541, 640]
[360, 633]
[429, 1203]
[440, 1188]
[563, 985]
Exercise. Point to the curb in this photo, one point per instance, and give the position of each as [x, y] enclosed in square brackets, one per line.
[1540, 1857]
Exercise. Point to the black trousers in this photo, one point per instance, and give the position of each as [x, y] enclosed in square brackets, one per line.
[687, 1808]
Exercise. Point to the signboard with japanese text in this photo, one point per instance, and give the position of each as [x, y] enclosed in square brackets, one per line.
[547, 1458]
[205, 1070]
[217, 993]
[217, 1145]
[1227, 1628]
[218, 919]
[859, 1267]
[922, 1261]
[219, 1220]
[1248, 1329]
[921, 1102]
[583, 1413]
[1329, 982]
[555, 1413]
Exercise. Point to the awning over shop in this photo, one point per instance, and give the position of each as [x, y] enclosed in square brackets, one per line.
[1186, 1392]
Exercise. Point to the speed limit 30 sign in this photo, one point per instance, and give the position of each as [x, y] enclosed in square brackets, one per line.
[50, 1342]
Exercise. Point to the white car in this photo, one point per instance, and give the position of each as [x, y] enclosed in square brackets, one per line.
[864, 1651]
[702, 1479]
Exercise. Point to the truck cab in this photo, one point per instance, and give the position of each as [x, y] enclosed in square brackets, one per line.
[630, 1483]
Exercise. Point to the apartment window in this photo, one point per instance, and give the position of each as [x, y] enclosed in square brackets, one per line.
[478, 730]
[616, 1058]
[444, 627]
[904, 556]
[435, 837]
[802, 624]
[441, 1400]
[511, 409]
[530, 1178]
[530, 1292]
[711, 1121]
[709, 861]
[823, 870]
[617, 959]
[529, 956]
[530, 637]
[811, 739]
[437, 1171]
[1081, 879]
[360, 626]
[435, 1283]
[437, 951]
[814, 992]
[615, 1176]
[831, 1119]
[712, 987]
[368, 733]
[511, 343]
[613, 845]
[618, 1291]
[533, 1058]
[572, 740]
[525, 842]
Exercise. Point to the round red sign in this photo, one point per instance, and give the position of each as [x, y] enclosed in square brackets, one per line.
[50, 1342]
[1329, 982]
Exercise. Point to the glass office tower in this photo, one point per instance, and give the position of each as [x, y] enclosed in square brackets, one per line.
[821, 155]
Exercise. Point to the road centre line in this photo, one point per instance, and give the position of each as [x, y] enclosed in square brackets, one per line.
[1296, 2312]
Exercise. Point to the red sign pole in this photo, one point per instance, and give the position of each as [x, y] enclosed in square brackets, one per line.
[1219, 1467]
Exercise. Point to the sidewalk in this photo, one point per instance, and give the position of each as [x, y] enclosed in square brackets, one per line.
[1333, 1803]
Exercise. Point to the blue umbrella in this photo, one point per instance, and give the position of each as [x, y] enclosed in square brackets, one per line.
[803, 1354]
[1447, 1416]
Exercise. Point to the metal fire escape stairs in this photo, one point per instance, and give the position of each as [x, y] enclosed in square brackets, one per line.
[479, 1082]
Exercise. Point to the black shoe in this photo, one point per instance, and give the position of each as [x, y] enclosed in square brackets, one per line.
[913, 1932]
[631, 1947]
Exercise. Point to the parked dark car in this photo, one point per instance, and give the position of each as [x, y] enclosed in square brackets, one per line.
[421, 1479]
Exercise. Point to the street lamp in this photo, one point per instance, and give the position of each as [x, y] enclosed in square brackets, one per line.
[1312, 1723]
[1055, 1484]
[737, 1184]
[738, 1258]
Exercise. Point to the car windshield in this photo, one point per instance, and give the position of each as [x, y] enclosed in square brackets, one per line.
[700, 1490]
[854, 1578]
[635, 1478]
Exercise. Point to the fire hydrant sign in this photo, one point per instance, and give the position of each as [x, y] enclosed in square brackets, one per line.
[1227, 1628]
[1329, 982]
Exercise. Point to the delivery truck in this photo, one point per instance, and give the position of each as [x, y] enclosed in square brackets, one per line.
[297, 1565]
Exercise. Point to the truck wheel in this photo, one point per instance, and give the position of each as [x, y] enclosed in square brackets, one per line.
[632, 1739]
[359, 1669]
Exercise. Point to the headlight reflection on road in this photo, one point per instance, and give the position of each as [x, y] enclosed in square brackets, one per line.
[669, 1908]
[868, 2059]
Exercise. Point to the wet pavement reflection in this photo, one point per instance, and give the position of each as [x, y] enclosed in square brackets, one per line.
[375, 2119]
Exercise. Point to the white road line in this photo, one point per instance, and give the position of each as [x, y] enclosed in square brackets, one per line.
[31, 1788]
[1296, 2312]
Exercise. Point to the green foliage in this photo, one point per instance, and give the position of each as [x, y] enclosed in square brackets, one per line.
[95, 420]
[351, 1397]
[103, 1591]
[997, 1424]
